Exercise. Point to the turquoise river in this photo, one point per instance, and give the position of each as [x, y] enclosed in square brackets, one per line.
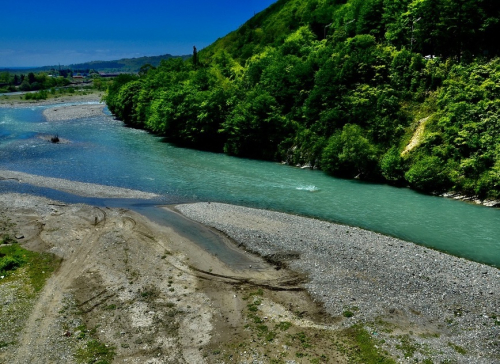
[101, 150]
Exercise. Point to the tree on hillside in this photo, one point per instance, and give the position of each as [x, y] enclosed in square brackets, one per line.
[31, 78]
[143, 71]
[195, 56]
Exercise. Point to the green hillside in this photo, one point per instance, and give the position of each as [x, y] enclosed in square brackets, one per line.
[399, 91]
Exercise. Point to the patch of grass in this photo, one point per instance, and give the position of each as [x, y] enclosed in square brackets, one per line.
[255, 319]
[408, 346]
[149, 293]
[321, 359]
[304, 340]
[348, 313]
[270, 336]
[96, 352]
[262, 329]
[384, 326]
[496, 319]
[252, 308]
[363, 345]
[428, 335]
[172, 313]
[4, 344]
[457, 348]
[39, 265]
[259, 292]
[283, 325]
[7, 239]
[9, 263]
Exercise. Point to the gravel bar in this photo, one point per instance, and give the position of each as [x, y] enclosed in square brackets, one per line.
[78, 188]
[93, 97]
[65, 113]
[419, 302]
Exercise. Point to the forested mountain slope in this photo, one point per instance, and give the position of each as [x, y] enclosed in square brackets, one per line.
[402, 91]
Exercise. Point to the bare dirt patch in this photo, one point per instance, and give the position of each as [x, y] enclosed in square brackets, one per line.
[417, 137]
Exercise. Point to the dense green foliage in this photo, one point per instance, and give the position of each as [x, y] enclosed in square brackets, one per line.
[10, 257]
[341, 85]
[31, 82]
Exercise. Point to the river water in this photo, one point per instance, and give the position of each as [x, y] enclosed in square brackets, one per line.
[101, 150]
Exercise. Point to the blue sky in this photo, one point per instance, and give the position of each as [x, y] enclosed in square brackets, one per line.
[51, 32]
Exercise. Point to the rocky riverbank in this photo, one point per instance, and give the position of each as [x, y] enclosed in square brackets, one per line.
[422, 303]
[64, 113]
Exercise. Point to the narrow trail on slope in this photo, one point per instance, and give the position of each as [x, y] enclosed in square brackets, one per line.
[416, 139]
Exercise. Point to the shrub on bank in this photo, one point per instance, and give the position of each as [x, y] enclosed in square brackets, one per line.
[11, 256]
[40, 95]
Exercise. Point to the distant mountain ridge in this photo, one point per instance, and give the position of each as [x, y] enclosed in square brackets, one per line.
[124, 64]
[120, 65]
